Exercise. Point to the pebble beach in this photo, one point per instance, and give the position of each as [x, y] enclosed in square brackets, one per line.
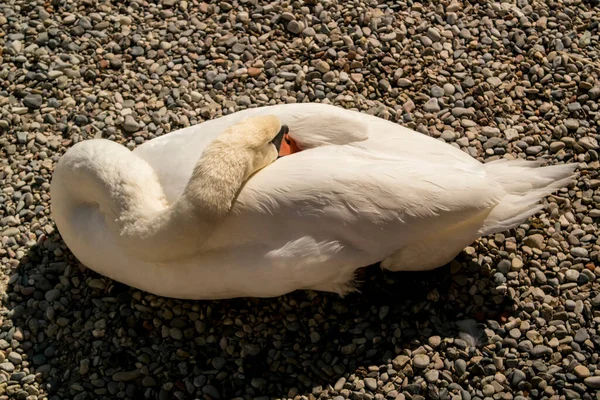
[514, 316]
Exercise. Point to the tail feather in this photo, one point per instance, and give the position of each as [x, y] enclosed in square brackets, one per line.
[525, 183]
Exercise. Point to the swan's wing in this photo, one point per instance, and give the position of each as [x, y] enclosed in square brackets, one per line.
[174, 155]
[375, 202]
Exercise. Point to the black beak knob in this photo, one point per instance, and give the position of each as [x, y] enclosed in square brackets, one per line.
[279, 138]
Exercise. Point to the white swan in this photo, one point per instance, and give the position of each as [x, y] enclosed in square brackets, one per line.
[182, 215]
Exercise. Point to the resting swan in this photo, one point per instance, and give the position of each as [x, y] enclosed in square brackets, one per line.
[211, 212]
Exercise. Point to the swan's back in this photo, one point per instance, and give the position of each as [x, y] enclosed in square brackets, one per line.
[376, 188]
[173, 155]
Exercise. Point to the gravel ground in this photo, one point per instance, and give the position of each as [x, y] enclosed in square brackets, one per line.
[515, 316]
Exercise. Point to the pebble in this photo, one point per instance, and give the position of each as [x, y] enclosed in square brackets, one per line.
[125, 376]
[371, 384]
[494, 81]
[130, 125]
[421, 361]
[518, 377]
[432, 105]
[7, 367]
[460, 366]
[295, 26]
[52, 295]
[540, 351]
[535, 241]
[581, 371]
[579, 252]
[33, 101]
[591, 382]
[432, 376]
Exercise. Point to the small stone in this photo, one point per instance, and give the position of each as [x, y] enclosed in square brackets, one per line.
[52, 295]
[400, 361]
[254, 72]
[540, 351]
[16, 46]
[434, 341]
[516, 264]
[130, 124]
[432, 376]
[535, 241]
[295, 26]
[196, 97]
[125, 20]
[581, 335]
[126, 376]
[339, 385]
[176, 333]
[572, 124]
[518, 377]
[403, 82]
[488, 390]
[371, 383]
[310, 32]
[148, 381]
[494, 81]
[12, 231]
[572, 275]
[322, 66]
[7, 367]
[437, 91]
[588, 143]
[218, 363]
[490, 131]
[421, 361]
[581, 371]
[33, 101]
[579, 252]
[432, 105]
[574, 107]
[555, 147]
[449, 89]
[448, 136]
[434, 34]
[356, 77]
[14, 357]
[96, 284]
[591, 382]
[137, 51]
[460, 366]
[211, 391]
[511, 134]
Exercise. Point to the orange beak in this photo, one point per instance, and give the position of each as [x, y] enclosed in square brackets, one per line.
[288, 146]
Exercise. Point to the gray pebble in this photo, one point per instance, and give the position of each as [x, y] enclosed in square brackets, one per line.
[432, 105]
[33, 101]
[52, 295]
[518, 377]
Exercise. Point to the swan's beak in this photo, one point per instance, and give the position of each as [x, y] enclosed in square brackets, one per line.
[278, 139]
[284, 143]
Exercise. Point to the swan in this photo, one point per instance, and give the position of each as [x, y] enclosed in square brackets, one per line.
[212, 212]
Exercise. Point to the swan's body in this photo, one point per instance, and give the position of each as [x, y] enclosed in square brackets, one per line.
[362, 190]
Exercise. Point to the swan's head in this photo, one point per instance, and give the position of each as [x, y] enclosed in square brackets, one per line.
[258, 139]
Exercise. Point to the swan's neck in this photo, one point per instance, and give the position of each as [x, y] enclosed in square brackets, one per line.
[126, 191]
[217, 177]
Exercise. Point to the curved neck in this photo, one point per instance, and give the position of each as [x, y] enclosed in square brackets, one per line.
[126, 191]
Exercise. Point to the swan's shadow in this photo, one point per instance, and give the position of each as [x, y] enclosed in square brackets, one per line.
[298, 344]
